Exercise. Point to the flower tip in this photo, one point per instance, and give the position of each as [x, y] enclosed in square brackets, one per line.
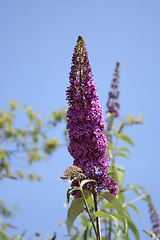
[80, 38]
[118, 64]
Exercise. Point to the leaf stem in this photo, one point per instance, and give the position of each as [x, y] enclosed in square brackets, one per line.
[97, 218]
[88, 211]
[136, 199]
[110, 229]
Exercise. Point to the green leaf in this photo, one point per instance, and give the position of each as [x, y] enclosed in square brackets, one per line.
[121, 197]
[90, 201]
[70, 190]
[124, 138]
[20, 174]
[124, 149]
[131, 187]
[117, 206]
[3, 236]
[135, 208]
[140, 118]
[3, 154]
[133, 228]
[85, 235]
[120, 154]
[84, 220]
[76, 208]
[106, 205]
[86, 181]
[148, 200]
[119, 174]
[30, 113]
[50, 145]
[151, 234]
[107, 215]
[13, 105]
[130, 118]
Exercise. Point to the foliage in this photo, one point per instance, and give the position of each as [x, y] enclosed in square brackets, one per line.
[101, 215]
[114, 212]
[30, 142]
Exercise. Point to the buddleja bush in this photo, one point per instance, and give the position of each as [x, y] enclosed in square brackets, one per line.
[94, 192]
[97, 194]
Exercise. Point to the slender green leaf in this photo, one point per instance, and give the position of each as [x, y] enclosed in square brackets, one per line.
[76, 208]
[119, 174]
[86, 181]
[124, 149]
[148, 200]
[124, 138]
[109, 206]
[131, 187]
[117, 206]
[90, 201]
[121, 197]
[85, 235]
[135, 208]
[84, 219]
[120, 154]
[70, 190]
[106, 205]
[3, 236]
[75, 237]
[107, 215]
[133, 228]
[151, 234]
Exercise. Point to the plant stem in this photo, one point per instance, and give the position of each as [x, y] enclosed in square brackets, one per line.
[88, 211]
[136, 199]
[110, 229]
[97, 218]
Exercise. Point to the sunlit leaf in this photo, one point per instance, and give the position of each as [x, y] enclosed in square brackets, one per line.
[90, 201]
[117, 206]
[3, 236]
[133, 228]
[131, 187]
[70, 190]
[130, 118]
[20, 174]
[86, 181]
[119, 174]
[135, 208]
[124, 137]
[124, 149]
[107, 215]
[151, 234]
[120, 154]
[76, 208]
[50, 145]
[13, 105]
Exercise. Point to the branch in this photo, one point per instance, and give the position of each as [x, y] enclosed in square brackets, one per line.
[88, 211]
[97, 218]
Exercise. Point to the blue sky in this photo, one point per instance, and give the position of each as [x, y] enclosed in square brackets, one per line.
[36, 47]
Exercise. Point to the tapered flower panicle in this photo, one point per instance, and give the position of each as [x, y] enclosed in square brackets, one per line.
[155, 220]
[85, 122]
[112, 104]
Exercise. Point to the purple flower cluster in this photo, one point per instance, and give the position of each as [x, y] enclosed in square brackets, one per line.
[155, 220]
[85, 122]
[112, 104]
